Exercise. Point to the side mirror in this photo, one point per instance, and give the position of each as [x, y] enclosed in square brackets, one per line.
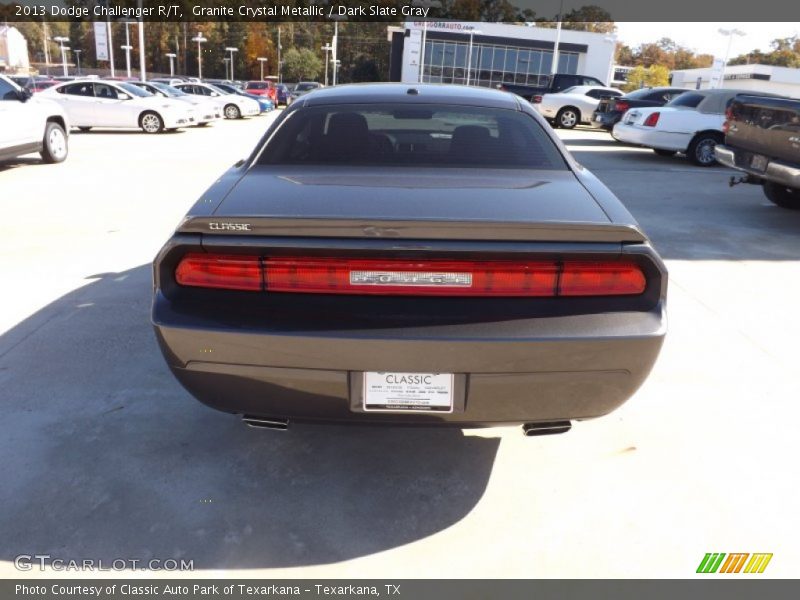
[214, 94]
[24, 95]
[123, 96]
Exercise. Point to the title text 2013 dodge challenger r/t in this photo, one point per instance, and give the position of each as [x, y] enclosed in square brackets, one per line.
[410, 255]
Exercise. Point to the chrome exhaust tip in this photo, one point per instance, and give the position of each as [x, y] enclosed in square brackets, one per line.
[551, 428]
[266, 423]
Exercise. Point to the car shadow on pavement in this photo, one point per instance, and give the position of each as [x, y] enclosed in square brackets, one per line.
[95, 131]
[13, 163]
[105, 457]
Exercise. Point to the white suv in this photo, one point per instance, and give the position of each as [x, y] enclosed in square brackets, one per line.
[30, 125]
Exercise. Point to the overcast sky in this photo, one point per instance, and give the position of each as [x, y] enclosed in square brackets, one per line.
[704, 37]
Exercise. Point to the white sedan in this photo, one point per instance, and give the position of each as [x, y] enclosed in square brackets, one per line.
[574, 105]
[235, 106]
[206, 109]
[94, 103]
[691, 123]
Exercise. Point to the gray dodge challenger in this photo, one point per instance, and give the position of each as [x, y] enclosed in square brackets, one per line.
[410, 255]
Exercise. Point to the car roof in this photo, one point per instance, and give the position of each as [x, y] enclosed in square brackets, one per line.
[715, 101]
[411, 93]
[580, 89]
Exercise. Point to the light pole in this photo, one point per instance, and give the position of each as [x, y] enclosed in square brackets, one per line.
[280, 64]
[171, 56]
[422, 51]
[61, 39]
[335, 51]
[231, 49]
[554, 65]
[127, 47]
[78, 60]
[472, 32]
[262, 60]
[730, 33]
[226, 61]
[142, 67]
[199, 39]
[327, 48]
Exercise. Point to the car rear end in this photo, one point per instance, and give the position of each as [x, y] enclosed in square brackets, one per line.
[608, 113]
[410, 294]
[762, 138]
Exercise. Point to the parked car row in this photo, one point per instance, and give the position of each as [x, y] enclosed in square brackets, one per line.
[40, 122]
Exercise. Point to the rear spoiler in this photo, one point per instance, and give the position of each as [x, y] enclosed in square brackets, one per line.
[411, 229]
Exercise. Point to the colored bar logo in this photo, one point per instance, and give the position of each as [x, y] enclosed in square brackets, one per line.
[719, 562]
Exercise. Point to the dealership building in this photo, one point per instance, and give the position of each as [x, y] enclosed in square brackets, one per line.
[501, 53]
[759, 78]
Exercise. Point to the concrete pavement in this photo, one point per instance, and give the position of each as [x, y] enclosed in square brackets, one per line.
[105, 456]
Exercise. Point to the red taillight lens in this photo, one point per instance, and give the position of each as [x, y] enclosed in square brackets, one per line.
[652, 119]
[387, 277]
[410, 278]
[537, 99]
[231, 272]
[621, 105]
[601, 279]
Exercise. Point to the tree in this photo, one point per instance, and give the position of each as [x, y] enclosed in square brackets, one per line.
[301, 64]
[653, 76]
[624, 55]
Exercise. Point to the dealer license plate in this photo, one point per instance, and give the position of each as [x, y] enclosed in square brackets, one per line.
[759, 162]
[403, 392]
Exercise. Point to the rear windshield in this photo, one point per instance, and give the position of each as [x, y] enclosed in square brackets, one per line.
[420, 136]
[687, 99]
[256, 85]
[303, 87]
[639, 94]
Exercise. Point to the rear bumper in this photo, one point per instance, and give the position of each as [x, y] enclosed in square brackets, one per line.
[543, 369]
[651, 137]
[605, 120]
[776, 171]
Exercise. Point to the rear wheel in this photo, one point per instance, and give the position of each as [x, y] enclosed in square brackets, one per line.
[150, 122]
[54, 144]
[568, 117]
[232, 112]
[701, 149]
[783, 196]
[662, 152]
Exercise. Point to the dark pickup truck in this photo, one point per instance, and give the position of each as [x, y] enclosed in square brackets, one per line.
[556, 83]
[762, 139]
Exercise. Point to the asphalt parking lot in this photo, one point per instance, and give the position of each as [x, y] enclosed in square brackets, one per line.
[105, 456]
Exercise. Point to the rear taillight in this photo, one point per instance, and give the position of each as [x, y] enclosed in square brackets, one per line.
[410, 278]
[621, 105]
[391, 277]
[600, 279]
[230, 272]
[652, 119]
[728, 118]
[537, 99]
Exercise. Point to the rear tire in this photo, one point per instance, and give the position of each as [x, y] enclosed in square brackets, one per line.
[662, 152]
[151, 122]
[701, 149]
[54, 144]
[782, 196]
[232, 112]
[568, 117]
